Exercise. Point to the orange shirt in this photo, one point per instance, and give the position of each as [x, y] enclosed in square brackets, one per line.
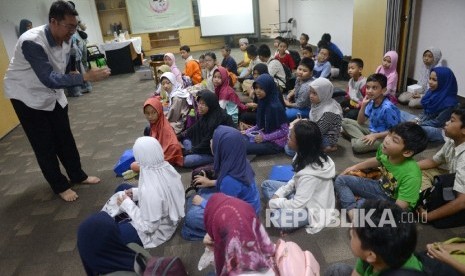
[193, 71]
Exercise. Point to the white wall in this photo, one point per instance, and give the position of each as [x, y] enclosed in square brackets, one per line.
[316, 17]
[440, 24]
[12, 11]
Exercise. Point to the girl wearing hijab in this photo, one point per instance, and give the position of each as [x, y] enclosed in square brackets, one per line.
[389, 69]
[159, 90]
[239, 241]
[179, 102]
[161, 130]
[269, 135]
[438, 103]
[325, 112]
[228, 98]
[311, 188]
[170, 60]
[24, 25]
[431, 58]
[235, 178]
[249, 118]
[153, 219]
[210, 66]
[196, 139]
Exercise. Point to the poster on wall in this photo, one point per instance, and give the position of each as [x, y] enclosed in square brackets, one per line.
[148, 16]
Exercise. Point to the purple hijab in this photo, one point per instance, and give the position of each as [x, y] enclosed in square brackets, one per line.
[229, 153]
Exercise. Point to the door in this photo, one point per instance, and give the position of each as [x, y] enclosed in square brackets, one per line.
[269, 18]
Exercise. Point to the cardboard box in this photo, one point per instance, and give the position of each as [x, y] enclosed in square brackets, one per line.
[414, 88]
[144, 73]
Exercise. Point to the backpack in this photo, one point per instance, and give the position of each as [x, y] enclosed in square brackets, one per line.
[206, 170]
[147, 265]
[290, 259]
[289, 81]
[295, 56]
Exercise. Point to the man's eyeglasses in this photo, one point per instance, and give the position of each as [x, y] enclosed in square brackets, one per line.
[69, 27]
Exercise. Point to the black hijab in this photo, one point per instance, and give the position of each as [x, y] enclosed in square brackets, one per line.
[202, 131]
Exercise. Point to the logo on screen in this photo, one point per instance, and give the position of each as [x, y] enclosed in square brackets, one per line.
[159, 6]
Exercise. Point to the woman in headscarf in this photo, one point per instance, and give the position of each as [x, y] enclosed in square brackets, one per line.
[239, 241]
[389, 69]
[154, 208]
[431, 58]
[269, 135]
[161, 130]
[235, 178]
[438, 103]
[24, 25]
[196, 139]
[170, 60]
[179, 101]
[228, 98]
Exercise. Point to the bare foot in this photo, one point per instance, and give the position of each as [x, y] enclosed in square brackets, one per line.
[91, 180]
[329, 149]
[69, 195]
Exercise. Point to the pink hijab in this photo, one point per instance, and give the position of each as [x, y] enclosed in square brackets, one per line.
[241, 243]
[225, 91]
[391, 75]
[174, 69]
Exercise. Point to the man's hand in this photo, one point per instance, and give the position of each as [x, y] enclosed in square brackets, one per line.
[97, 74]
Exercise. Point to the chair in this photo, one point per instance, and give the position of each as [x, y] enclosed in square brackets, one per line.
[94, 54]
[285, 30]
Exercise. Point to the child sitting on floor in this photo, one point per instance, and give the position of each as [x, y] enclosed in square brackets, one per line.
[311, 188]
[228, 98]
[228, 61]
[322, 68]
[356, 89]
[400, 180]
[243, 64]
[381, 113]
[298, 101]
[389, 69]
[431, 58]
[382, 241]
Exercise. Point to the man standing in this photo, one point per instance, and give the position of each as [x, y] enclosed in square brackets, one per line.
[34, 82]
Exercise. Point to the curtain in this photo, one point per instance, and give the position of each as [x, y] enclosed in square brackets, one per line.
[393, 24]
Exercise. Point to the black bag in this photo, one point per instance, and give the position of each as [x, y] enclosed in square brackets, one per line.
[206, 170]
[430, 266]
[147, 265]
[441, 192]
[289, 81]
[295, 56]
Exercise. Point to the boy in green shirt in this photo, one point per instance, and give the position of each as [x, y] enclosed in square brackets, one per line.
[400, 174]
[381, 239]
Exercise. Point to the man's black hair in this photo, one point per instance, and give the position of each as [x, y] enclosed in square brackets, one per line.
[59, 9]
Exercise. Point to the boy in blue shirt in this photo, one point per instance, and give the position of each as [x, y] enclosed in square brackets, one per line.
[382, 115]
[400, 180]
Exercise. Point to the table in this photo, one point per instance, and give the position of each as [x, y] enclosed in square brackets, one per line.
[120, 55]
[154, 65]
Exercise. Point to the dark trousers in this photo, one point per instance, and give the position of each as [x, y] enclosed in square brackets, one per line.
[50, 135]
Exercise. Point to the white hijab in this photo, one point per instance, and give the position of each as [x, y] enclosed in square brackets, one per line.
[177, 90]
[324, 89]
[426, 70]
[161, 192]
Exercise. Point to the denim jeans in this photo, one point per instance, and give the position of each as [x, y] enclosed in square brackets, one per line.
[193, 228]
[347, 187]
[263, 148]
[195, 160]
[435, 134]
[269, 187]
